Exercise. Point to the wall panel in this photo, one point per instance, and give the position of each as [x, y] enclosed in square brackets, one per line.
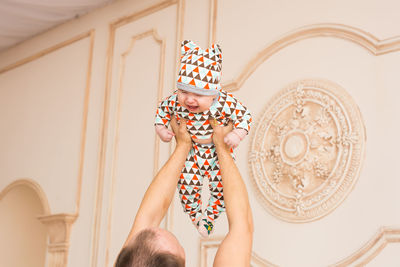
[43, 109]
[23, 237]
[141, 73]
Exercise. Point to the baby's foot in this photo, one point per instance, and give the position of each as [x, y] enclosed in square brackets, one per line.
[205, 227]
[196, 222]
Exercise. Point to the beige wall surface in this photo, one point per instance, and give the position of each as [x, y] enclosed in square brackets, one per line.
[77, 106]
[23, 236]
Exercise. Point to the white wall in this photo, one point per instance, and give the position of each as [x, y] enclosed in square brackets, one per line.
[23, 237]
[69, 111]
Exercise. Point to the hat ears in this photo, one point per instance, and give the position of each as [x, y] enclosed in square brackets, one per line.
[187, 46]
[217, 51]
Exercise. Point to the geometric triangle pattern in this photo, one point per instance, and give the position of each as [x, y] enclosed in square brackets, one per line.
[226, 108]
[200, 69]
[201, 162]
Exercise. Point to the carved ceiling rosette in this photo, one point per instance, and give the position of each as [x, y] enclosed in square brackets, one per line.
[307, 150]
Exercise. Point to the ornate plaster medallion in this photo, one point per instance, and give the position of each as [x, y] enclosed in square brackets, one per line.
[307, 150]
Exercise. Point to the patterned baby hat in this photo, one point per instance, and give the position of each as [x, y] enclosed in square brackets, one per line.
[200, 70]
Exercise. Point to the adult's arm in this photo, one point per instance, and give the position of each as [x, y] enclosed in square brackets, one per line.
[160, 192]
[235, 249]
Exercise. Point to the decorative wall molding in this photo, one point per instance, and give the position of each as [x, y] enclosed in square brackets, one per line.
[143, 13]
[212, 31]
[364, 39]
[114, 26]
[122, 70]
[58, 229]
[47, 51]
[89, 34]
[213, 243]
[383, 237]
[34, 186]
[307, 150]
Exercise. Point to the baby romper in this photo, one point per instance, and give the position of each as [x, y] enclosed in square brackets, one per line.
[202, 161]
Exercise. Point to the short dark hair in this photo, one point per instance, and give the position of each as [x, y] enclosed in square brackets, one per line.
[142, 253]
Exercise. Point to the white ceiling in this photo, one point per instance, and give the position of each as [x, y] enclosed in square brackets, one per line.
[22, 19]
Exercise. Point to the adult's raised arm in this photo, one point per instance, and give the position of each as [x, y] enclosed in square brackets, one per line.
[235, 249]
[160, 192]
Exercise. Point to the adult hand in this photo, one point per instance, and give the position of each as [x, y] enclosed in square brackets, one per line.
[181, 134]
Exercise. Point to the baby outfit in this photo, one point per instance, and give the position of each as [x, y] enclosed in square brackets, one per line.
[200, 73]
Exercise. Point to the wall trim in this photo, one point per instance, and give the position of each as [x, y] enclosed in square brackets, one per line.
[113, 26]
[384, 236]
[46, 51]
[364, 39]
[214, 242]
[89, 34]
[34, 186]
[58, 230]
[212, 24]
[372, 248]
[152, 33]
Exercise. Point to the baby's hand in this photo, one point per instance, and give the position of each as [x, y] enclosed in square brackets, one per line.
[233, 138]
[164, 134]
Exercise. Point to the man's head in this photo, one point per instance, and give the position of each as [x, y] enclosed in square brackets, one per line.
[152, 247]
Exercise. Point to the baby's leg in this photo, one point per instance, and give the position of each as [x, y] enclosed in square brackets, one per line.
[216, 203]
[189, 187]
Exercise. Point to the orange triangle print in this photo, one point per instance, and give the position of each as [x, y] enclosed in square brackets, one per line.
[206, 87]
[201, 59]
[180, 79]
[192, 82]
[196, 69]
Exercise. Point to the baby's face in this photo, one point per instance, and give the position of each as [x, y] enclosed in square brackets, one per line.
[193, 102]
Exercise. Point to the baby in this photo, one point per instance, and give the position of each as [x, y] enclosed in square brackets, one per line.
[199, 98]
